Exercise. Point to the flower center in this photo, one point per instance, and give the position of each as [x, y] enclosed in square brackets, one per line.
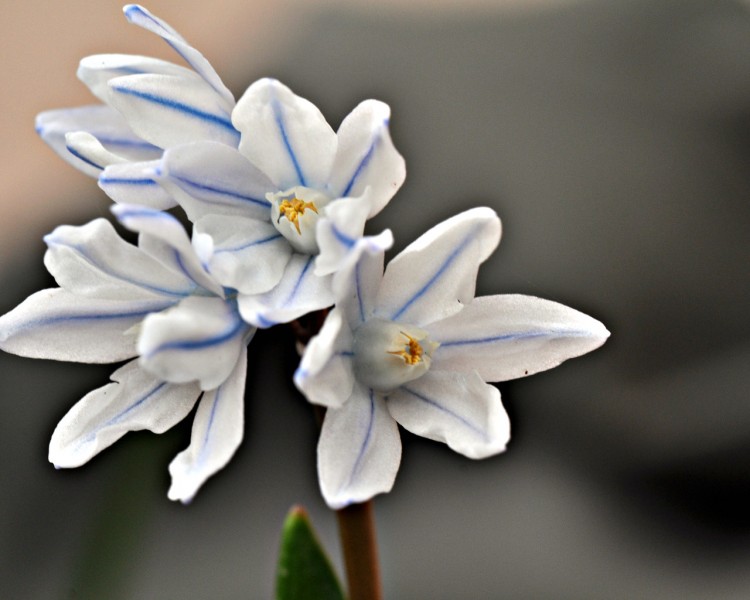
[388, 354]
[292, 209]
[294, 213]
[412, 352]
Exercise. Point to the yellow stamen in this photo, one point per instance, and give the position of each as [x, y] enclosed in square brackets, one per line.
[412, 352]
[292, 209]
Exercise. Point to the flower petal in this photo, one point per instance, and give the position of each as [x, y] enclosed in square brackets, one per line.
[356, 285]
[134, 183]
[136, 400]
[217, 433]
[359, 451]
[143, 18]
[248, 255]
[87, 148]
[299, 292]
[97, 70]
[167, 110]
[55, 324]
[325, 374]
[366, 156]
[433, 276]
[104, 123]
[341, 228]
[93, 261]
[199, 339]
[510, 336]
[285, 136]
[163, 237]
[456, 408]
[212, 178]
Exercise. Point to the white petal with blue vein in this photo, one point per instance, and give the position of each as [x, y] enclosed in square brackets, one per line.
[299, 292]
[325, 374]
[167, 110]
[94, 261]
[212, 178]
[366, 156]
[217, 432]
[87, 148]
[356, 285]
[285, 136]
[199, 339]
[436, 274]
[248, 255]
[135, 400]
[134, 183]
[359, 450]
[456, 408]
[510, 336]
[55, 324]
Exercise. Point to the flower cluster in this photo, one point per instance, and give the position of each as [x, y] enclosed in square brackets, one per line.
[277, 203]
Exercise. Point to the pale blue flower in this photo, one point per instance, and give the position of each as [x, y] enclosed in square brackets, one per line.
[148, 104]
[412, 346]
[156, 302]
[294, 191]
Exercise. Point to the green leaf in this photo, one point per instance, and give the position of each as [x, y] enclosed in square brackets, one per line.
[304, 570]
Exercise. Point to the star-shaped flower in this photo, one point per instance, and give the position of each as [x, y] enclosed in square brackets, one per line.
[156, 302]
[413, 346]
[294, 192]
[148, 105]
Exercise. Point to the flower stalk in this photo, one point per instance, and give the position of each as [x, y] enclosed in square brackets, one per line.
[360, 549]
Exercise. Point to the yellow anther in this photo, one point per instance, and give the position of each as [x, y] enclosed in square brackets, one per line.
[412, 352]
[292, 209]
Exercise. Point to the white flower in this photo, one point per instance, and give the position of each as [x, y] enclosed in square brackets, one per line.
[412, 346]
[156, 302]
[294, 192]
[148, 105]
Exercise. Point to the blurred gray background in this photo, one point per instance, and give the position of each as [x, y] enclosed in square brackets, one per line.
[611, 136]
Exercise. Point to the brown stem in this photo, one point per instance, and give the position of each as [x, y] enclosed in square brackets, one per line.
[360, 548]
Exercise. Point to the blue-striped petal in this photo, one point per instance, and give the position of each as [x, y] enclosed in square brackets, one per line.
[135, 400]
[167, 110]
[55, 324]
[104, 123]
[359, 451]
[217, 433]
[366, 157]
[97, 70]
[435, 275]
[340, 229]
[94, 261]
[212, 178]
[88, 149]
[199, 339]
[325, 375]
[247, 255]
[285, 136]
[458, 409]
[510, 336]
[356, 285]
[163, 237]
[143, 18]
[299, 292]
[135, 183]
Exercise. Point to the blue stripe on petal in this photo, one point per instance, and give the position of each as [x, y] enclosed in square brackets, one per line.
[211, 418]
[359, 292]
[298, 283]
[363, 163]
[186, 109]
[521, 335]
[125, 181]
[341, 237]
[85, 159]
[270, 238]
[447, 411]
[190, 345]
[443, 267]
[365, 442]
[224, 192]
[279, 116]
